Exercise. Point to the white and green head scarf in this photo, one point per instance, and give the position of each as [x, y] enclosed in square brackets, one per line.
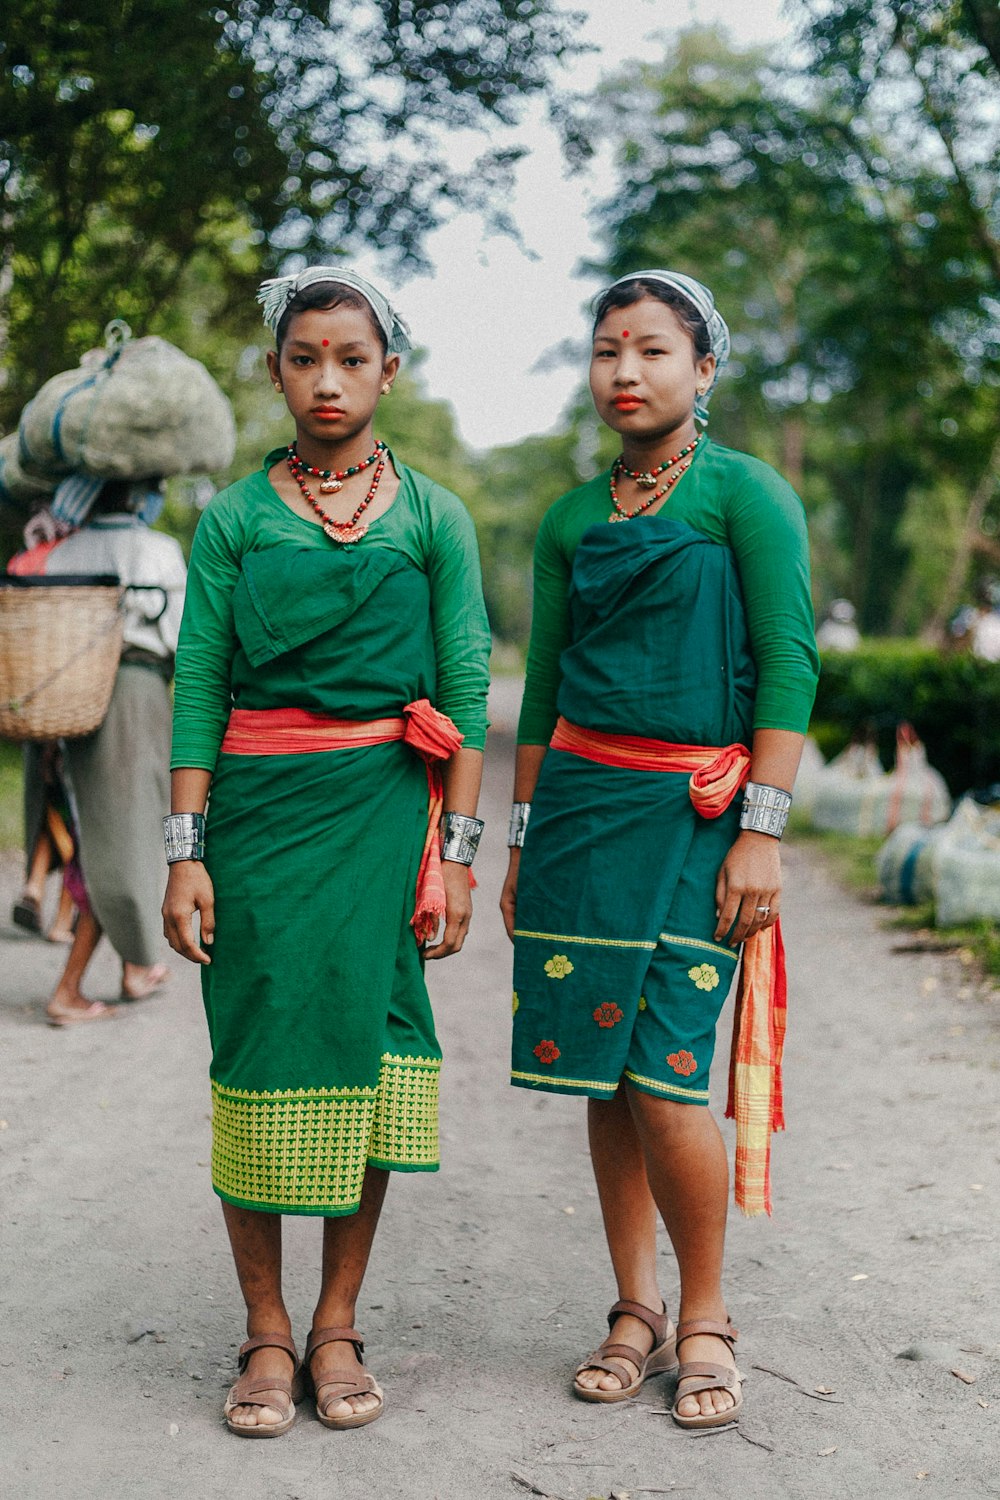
[274, 296]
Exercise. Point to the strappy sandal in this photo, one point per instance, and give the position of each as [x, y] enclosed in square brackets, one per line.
[709, 1377]
[265, 1390]
[342, 1383]
[660, 1360]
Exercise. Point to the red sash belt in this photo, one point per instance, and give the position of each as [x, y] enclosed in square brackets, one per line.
[432, 735]
[755, 1090]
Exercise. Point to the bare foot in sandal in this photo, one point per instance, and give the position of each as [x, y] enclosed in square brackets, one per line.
[138, 983]
[268, 1371]
[347, 1395]
[711, 1400]
[641, 1335]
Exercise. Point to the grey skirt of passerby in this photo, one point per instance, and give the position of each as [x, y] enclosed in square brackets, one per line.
[121, 784]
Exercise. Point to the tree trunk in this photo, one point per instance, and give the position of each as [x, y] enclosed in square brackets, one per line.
[969, 542]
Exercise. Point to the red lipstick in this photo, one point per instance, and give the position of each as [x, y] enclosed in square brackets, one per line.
[628, 403]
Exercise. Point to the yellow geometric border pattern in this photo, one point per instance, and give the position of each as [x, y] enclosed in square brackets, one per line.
[305, 1150]
[565, 1083]
[686, 942]
[669, 1090]
[594, 942]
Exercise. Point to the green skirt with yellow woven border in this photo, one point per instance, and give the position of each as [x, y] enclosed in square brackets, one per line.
[324, 1056]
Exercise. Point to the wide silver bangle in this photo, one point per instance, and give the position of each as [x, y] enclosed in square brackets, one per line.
[461, 835]
[184, 836]
[519, 814]
[765, 809]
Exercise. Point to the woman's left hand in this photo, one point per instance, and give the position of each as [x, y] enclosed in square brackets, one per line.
[458, 902]
[748, 890]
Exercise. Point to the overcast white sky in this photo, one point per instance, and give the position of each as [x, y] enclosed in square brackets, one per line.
[489, 310]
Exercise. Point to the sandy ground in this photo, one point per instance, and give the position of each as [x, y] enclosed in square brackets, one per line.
[876, 1279]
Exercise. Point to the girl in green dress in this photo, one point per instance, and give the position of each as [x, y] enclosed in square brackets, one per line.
[334, 595]
[661, 646]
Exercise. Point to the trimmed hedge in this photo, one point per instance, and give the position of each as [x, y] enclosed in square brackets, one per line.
[953, 702]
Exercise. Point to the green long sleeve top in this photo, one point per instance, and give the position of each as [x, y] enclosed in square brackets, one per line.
[736, 501]
[450, 663]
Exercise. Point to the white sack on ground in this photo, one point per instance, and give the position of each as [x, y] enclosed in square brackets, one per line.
[966, 865]
[854, 795]
[905, 863]
[142, 409]
[810, 765]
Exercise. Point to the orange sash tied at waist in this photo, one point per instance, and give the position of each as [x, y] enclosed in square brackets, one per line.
[755, 1089]
[432, 735]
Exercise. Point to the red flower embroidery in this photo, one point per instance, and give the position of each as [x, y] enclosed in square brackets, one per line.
[683, 1063]
[608, 1014]
[547, 1052]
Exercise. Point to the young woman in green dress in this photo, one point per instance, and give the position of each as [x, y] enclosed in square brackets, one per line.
[334, 595]
[661, 648]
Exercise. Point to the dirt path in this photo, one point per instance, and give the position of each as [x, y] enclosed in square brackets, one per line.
[490, 1281]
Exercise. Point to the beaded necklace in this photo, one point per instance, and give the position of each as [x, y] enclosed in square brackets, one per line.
[648, 477]
[332, 480]
[619, 467]
[344, 532]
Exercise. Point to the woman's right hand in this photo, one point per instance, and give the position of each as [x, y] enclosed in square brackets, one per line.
[189, 890]
[508, 896]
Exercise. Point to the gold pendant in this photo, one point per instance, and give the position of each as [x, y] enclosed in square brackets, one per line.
[647, 481]
[330, 486]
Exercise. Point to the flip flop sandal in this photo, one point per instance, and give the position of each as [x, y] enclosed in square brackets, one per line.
[708, 1376]
[265, 1390]
[73, 1015]
[341, 1384]
[159, 983]
[27, 913]
[660, 1360]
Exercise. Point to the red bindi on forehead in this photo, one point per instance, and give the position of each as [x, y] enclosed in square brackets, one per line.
[624, 333]
[326, 343]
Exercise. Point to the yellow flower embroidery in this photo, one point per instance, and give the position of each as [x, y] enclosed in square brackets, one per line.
[515, 1004]
[705, 976]
[558, 966]
[642, 1002]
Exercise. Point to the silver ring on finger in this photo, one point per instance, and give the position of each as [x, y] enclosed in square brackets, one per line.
[764, 910]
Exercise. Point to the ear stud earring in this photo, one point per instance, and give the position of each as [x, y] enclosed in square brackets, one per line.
[277, 385]
[386, 388]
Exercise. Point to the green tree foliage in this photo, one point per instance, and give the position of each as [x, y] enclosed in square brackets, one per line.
[135, 135]
[844, 251]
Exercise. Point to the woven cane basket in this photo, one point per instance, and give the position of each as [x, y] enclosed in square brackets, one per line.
[60, 645]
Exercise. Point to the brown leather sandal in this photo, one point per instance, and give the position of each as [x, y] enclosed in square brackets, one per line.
[342, 1383]
[709, 1377]
[660, 1360]
[252, 1390]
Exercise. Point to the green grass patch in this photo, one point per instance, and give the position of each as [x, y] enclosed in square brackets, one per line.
[11, 807]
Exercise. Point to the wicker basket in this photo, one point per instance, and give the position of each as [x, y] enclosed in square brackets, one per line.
[60, 645]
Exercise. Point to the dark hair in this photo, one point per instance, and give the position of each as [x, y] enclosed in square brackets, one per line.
[631, 292]
[326, 295]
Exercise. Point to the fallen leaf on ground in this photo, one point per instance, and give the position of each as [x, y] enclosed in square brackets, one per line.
[964, 1375]
[825, 1452]
[922, 1473]
[569, 1210]
[861, 1276]
[976, 1187]
[823, 1390]
[984, 1404]
[173, 1429]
